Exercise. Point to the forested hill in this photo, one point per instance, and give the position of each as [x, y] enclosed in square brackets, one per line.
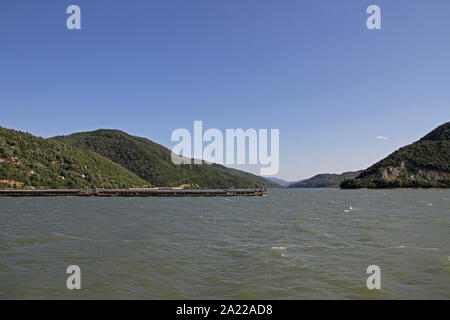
[152, 162]
[29, 161]
[424, 163]
[325, 180]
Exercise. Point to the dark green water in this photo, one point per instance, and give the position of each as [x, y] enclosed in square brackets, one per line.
[292, 244]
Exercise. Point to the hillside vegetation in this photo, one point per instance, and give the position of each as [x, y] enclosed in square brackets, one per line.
[152, 162]
[325, 180]
[29, 161]
[425, 163]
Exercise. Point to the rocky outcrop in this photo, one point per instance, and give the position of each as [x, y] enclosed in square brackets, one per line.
[422, 164]
[408, 170]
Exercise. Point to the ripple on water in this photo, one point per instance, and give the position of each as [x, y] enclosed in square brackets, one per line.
[291, 244]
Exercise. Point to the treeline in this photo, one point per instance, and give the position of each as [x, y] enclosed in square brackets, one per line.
[396, 183]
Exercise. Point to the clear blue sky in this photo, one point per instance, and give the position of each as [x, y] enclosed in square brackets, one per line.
[310, 68]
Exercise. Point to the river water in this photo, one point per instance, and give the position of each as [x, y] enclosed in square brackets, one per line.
[292, 244]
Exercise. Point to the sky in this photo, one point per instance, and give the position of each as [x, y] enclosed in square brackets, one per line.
[342, 96]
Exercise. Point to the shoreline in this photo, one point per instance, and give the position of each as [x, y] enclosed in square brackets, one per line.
[133, 193]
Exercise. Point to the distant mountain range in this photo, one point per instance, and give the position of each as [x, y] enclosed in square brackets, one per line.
[281, 182]
[424, 163]
[325, 180]
[106, 159]
[115, 159]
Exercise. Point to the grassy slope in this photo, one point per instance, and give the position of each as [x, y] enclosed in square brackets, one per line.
[152, 161]
[43, 163]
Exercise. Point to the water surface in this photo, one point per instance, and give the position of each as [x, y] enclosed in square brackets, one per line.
[292, 244]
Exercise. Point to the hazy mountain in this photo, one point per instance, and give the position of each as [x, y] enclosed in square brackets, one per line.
[279, 181]
[325, 180]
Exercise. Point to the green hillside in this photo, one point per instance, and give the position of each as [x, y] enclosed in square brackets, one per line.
[152, 162]
[26, 160]
[325, 180]
[425, 163]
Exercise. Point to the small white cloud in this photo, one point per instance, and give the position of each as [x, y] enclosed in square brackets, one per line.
[381, 138]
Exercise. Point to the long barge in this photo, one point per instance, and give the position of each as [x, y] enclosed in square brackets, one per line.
[135, 193]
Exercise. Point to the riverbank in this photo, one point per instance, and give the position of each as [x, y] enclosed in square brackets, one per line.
[133, 193]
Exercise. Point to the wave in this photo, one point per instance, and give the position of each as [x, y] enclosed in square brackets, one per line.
[62, 235]
[415, 248]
